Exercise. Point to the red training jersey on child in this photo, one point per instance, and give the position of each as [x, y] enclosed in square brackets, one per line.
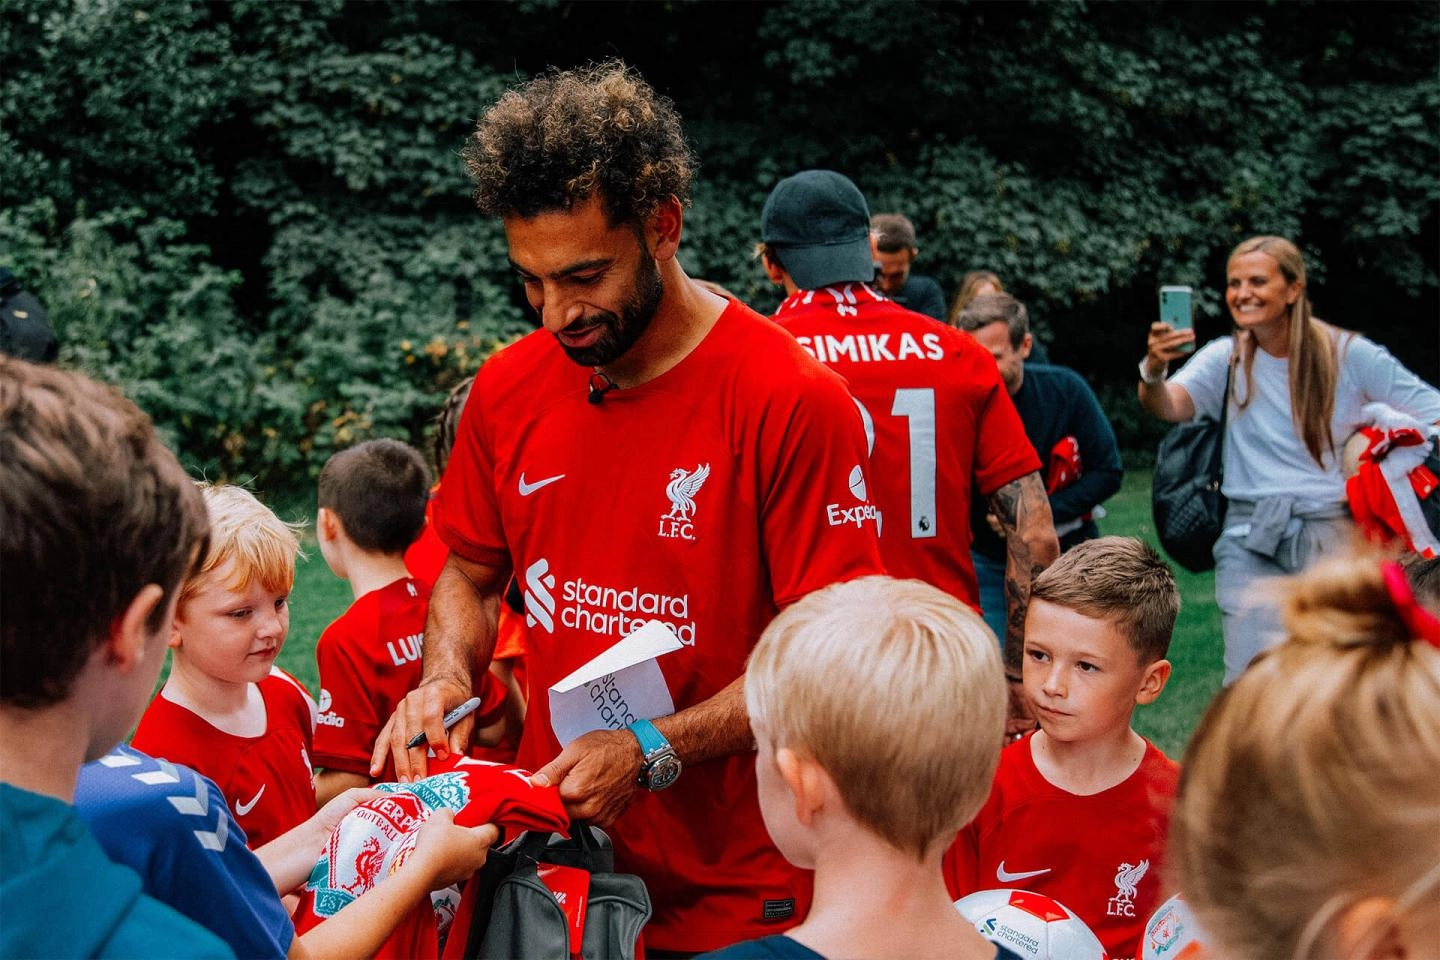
[369, 659]
[267, 780]
[1100, 855]
[426, 557]
[942, 429]
[706, 498]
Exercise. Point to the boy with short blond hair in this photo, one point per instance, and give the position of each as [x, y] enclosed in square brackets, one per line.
[226, 710]
[877, 706]
[1080, 808]
[100, 527]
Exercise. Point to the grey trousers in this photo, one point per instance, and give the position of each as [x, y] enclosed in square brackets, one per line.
[1251, 555]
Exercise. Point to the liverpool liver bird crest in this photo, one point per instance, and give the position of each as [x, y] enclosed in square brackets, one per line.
[682, 488]
[1127, 878]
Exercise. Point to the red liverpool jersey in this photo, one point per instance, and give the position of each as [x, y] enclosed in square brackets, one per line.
[1100, 855]
[267, 780]
[369, 658]
[707, 498]
[941, 427]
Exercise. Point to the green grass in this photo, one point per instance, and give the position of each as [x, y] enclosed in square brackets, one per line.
[320, 597]
[317, 598]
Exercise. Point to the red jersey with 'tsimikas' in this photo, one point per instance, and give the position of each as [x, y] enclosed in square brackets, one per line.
[941, 427]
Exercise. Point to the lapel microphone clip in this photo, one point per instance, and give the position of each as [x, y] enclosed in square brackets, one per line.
[599, 386]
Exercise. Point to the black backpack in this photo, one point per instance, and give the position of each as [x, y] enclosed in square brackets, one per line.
[517, 916]
[1185, 497]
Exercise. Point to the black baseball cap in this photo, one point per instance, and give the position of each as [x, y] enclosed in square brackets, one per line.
[818, 223]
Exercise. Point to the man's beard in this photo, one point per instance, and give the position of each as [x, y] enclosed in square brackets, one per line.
[620, 331]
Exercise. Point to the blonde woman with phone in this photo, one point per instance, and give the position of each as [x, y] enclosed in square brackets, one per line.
[1297, 393]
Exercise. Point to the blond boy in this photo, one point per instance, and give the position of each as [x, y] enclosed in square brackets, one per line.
[225, 709]
[877, 706]
[1080, 808]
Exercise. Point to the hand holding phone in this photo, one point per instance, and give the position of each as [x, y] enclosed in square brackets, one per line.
[1177, 309]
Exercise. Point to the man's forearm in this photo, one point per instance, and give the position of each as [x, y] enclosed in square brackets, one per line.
[597, 771]
[1023, 511]
[460, 628]
[716, 727]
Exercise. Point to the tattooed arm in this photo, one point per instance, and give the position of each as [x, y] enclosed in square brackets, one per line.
[1023, 512]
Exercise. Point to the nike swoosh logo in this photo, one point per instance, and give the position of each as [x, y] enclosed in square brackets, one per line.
[528, 488]
[241, 809]
[1005, 876]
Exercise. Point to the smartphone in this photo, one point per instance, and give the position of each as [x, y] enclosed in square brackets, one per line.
[1177, 309]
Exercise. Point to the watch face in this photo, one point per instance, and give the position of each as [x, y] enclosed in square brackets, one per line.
[663, 772]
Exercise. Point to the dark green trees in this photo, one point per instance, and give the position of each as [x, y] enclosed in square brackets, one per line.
[252, 215]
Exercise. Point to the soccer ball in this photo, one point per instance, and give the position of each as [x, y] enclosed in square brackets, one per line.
[1031, 925]
[1171, 934]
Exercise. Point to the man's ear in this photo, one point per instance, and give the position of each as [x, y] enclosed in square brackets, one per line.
[773, 270]
[806, 782]
[130, 632]
[1026, 346]
[1153, 682]
[663, 228]
[1368, 930]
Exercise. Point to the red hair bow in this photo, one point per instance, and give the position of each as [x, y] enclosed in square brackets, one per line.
[1422, 623]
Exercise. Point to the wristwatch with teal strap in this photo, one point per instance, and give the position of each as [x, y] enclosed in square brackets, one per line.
[661, 767]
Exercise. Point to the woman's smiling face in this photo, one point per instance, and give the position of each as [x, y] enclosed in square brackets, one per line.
[1257, 293]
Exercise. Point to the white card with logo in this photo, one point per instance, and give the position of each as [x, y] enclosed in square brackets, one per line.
[620, 686]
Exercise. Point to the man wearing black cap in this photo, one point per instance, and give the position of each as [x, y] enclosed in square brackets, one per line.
[939, 420]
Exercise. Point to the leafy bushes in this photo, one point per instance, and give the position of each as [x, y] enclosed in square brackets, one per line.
[252, 216]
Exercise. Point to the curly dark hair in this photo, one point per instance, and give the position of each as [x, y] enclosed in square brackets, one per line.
[567, 135]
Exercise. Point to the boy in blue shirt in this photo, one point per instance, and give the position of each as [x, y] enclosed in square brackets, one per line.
[101, 525]
[101, 528]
